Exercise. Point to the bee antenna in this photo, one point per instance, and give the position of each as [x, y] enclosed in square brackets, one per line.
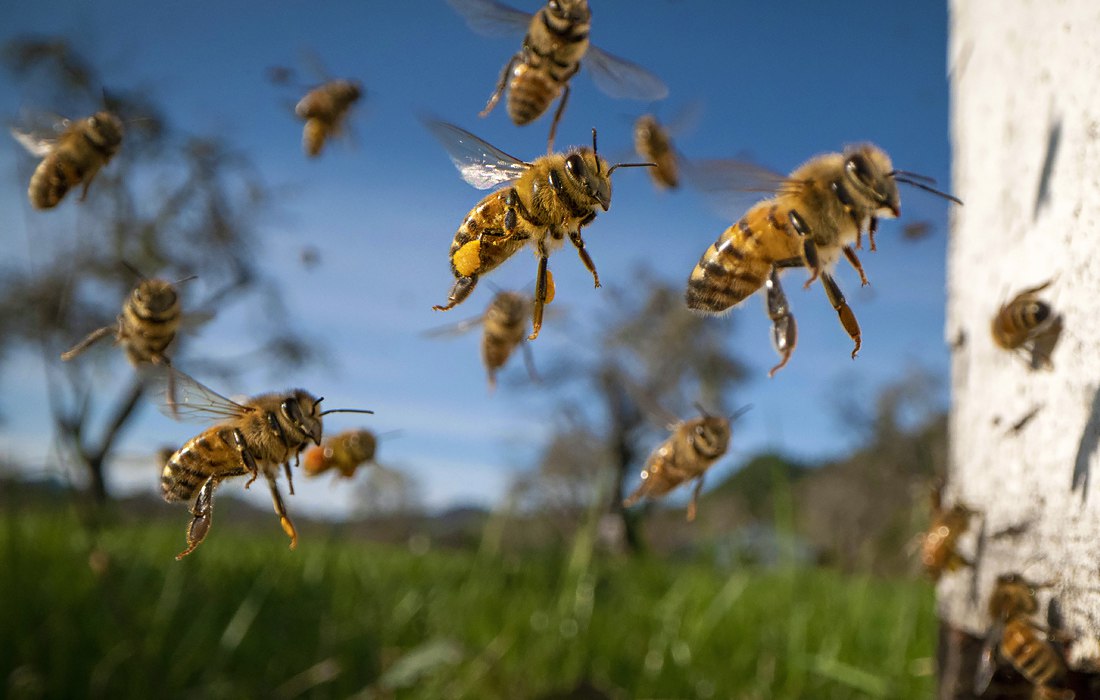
[188, 279]
[926, 188]
[629, 165]
[914, 176]
[699, 407]
[342, 410]
[740, 412]
[596, 153]
[134, 270]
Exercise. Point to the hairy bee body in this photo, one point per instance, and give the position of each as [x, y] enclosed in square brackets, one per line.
[344, 452]
[938, 551]
[1028, 324]
[687, 454]
[540, 204]
[556, 42]
[324, 110]
[504, 328]
[255, 437]
[76, 157]
[145, 328]
[652, 143]
[1016, 639]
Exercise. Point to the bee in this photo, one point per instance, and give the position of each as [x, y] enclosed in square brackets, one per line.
[653, 143]
[1016, 639]
[344, 452]
[145, 328]
[1029, 325]
[694, 446]
[539, 204]
[324, 110]
[253, 437]
[938, 551]
[72, 157]
[818, 212]
[555, 43]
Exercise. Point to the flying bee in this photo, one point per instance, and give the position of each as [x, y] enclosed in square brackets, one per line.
[145, 328]
[1016, 639]
[694, 446]
[555, 42]
[253, 437]
[324, 109]
[72, 153]
[938, 551]
[503, 329]
[653, 143]
[539, 204]
[818, 212]
[344, 452]
[1028, 324]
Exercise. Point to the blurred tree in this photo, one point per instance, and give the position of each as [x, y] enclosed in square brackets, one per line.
[654, 359]
[169, 204]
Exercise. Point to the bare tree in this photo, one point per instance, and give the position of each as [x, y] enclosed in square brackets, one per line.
[169, 204]
[1023, 449]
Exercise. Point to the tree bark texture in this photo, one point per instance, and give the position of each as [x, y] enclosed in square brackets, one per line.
[1025, 120]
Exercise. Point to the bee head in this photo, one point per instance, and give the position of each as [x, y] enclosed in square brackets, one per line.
[349, 90]
[105, 130]
[154, 296]
[644, 126]
[710, 435]
[571, 10]
[1012, 595]
[868, 170]
[588, 171]
[302, 411]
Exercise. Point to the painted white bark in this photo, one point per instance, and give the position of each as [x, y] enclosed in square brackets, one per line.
[1025, 81]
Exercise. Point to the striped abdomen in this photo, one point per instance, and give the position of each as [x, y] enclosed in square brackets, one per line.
[738, 263]
[1019, 321]
[505, 328]
[1030, 654]
[149, 321]
[484, 228]
[212, 453]
[55, 175]
[552, 51]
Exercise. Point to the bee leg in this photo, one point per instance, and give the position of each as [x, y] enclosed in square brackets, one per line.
[246, 456]
[495, 97]
[636, 495]
[280, 510]
[557, 118]
[809, 248]
[871, 228]
[847, 318]
[784, 328]
[86, 343]
[851, 255]
[461, 289]
[694, 498]
[87, 183]
[543, 289]
[203, 512]
[289, 479]
[575, 236]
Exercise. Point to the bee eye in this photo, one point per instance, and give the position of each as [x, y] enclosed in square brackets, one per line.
[574, 164]
[554, 6]
[700, 431]
[858, 167]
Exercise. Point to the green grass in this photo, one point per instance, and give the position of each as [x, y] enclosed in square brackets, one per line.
[243, 617]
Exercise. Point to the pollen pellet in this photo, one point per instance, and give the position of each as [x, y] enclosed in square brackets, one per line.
[549, 286]
[467, 259]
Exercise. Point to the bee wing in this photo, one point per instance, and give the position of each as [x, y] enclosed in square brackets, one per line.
[735, 175]
[38, 132]
[620, 78]
[490, 18]
[184, 398]
[482, 165]
[454, 329]
[987, 661]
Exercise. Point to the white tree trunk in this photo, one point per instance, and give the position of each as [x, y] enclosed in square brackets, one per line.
[1025, 81]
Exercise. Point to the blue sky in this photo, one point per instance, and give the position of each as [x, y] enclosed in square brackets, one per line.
[778, 81]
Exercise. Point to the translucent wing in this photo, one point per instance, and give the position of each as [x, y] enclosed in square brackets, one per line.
[482, 165]
[38, 132]
[734, 175]
[620, 78]
[490, 18]
[184, 398]
[987, 662]
[454, 329]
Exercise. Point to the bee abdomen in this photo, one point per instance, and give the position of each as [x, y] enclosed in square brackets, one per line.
[727, 272]
[313, 136]
[53, 177]
[530, 94]
[148, 334]
[188, 468]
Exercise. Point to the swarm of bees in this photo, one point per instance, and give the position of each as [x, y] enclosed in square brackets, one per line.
[1028, 326]
[1015, 639]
